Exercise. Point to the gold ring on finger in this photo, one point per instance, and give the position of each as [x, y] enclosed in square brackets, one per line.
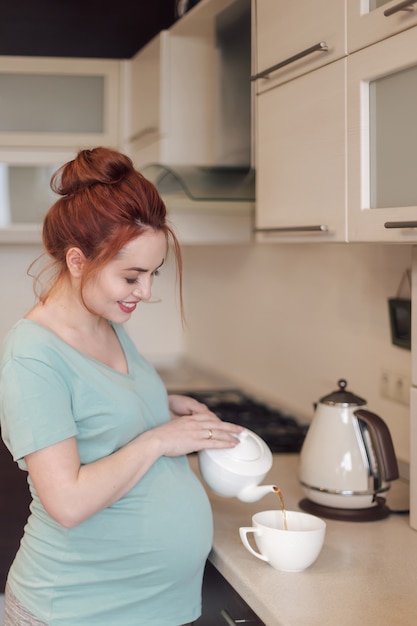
[210, 434]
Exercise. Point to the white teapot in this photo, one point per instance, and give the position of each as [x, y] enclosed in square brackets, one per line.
[238, 472]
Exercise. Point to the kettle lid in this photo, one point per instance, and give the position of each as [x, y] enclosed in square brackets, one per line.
[342, 397]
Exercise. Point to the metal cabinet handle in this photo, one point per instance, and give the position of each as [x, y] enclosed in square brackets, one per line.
[410, 224]
[319, 47]
[149, 130]
[295, 229]
[406, 5]
[233, 622]
[227, 618]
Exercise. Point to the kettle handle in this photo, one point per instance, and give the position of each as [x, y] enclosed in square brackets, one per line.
[381, 438]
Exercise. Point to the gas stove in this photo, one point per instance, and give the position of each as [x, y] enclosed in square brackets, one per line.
[280, 431]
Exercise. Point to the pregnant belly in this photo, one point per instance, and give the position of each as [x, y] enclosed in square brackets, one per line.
[151, 544]
[163, 526]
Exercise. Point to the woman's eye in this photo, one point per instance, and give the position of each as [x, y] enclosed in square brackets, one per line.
[134, 281]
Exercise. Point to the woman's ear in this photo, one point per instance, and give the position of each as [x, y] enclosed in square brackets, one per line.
[75, 262]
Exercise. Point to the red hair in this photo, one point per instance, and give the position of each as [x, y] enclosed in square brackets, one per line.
[105, 204]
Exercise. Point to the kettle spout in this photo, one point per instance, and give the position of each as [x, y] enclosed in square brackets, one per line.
[252, 493]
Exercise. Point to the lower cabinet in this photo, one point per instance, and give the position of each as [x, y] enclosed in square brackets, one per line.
[14, 510]
[222, 605]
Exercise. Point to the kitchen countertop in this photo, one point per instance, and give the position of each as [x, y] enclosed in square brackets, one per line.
[365, 574]
[186, 376]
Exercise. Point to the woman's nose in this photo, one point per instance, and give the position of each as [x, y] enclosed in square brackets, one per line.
[143, 289]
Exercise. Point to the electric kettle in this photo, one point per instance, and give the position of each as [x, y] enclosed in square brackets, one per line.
[238, 472]
[347, 458]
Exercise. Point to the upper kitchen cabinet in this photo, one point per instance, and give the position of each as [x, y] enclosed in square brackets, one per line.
[382, 140]
[189, 100]
[293, 38]
[58, 103]
[300, 112]
[189, 121]
[369, 21]
[149, 81]
[171, 106]
[300, 158]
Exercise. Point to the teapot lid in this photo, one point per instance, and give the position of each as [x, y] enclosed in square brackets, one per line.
[342, 397]
[252, 456]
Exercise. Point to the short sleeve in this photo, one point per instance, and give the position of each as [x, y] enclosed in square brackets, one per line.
[36, 407]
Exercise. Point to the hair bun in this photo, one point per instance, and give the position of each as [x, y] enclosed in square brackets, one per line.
[91, 167]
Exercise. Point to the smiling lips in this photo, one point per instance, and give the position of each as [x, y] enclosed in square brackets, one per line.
[127, 307]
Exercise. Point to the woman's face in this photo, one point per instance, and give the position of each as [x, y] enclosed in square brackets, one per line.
[126, 280]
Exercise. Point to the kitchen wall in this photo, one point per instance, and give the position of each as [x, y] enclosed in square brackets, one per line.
[288, 321]
[17, 295]
[283, 321]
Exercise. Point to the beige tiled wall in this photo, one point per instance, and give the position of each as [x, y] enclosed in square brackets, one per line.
[288, 321]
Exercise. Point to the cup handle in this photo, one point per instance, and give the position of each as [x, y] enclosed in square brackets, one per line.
[243, 532]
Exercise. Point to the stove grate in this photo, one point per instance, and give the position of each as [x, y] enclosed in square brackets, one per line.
[280, 431]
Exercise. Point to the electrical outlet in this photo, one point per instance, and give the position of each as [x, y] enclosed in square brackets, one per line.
[384, 384]
[401, 389]
[395, 386]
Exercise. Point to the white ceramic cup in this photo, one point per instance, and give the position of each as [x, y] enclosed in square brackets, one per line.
[291, 550]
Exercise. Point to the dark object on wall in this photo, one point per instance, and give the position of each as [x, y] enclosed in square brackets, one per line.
[14, 510]
[400, 313]
[400, 322]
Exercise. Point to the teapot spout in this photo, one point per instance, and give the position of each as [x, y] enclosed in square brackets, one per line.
[252, 493]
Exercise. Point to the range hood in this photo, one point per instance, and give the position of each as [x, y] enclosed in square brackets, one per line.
[207, 204]
[219, 187]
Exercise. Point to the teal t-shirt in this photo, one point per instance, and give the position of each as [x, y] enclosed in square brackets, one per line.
[138, 562]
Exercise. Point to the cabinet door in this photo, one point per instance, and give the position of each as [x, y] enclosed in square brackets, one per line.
[149, 76]
[14, 510]
[222, 605]
[172, 99]
[414, 330]
[289, 34]
[413, 457]
[301, 179]
[60, 103]
[369, 21]
[382, 140]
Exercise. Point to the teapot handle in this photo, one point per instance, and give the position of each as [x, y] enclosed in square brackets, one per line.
[381, 438]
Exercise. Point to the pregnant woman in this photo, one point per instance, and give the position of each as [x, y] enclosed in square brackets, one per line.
[119, 527]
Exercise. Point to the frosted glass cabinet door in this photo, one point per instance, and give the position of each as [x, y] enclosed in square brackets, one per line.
[369, 21]
[25, 193]
[382, 141]
[58, 102]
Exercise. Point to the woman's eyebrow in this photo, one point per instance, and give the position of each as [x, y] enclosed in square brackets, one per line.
[142, 269]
